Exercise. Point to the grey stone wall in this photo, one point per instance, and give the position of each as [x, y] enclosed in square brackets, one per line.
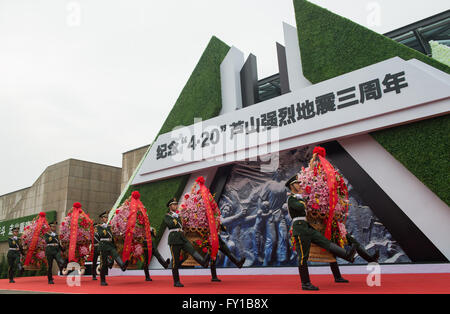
[95, 186]
[130, 160]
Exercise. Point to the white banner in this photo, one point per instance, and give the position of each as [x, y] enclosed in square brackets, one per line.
[384, 94]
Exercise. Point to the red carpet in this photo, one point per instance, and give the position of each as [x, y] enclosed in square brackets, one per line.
[275, 284]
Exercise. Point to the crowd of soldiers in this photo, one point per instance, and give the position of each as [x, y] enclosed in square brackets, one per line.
[105, 248]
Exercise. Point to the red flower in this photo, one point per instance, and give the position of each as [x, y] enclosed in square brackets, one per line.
[199, 243]
[117, 211]
[186, 196]
[200, 180]
[183, 206]
[136, 195]
[42, 214]
[63, 223]
[320, 151]
[177, 211]
[308, 189]
[315, 206]
[315, 171]
[76, 205]
[205, 250]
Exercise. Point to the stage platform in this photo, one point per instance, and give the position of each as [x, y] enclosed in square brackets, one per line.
[409, 279]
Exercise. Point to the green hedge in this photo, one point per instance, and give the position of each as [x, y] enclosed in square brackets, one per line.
[332, 45]
[201, 97]
[424, 148]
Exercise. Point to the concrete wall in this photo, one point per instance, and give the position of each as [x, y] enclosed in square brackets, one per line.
[95, 186]
[130, 160]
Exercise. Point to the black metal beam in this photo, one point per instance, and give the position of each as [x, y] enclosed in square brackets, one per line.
[249, 82]
[282, 68]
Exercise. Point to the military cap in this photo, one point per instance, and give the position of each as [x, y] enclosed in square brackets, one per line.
[172, 201]
[15, 228]
[54, 222]
[290, 181]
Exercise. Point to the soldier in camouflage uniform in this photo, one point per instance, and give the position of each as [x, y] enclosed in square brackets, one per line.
[178, 242]
[107, 248]
[53, 251]
[14, 252]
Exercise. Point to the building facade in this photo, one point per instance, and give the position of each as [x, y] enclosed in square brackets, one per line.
[95, 186]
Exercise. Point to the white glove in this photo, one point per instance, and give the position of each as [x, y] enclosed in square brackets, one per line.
[53, 234]
[298, 196]
[174, 215]
[104, 225]
[15, 238]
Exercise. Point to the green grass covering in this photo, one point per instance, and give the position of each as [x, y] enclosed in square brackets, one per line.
[424, 148]
[332, 45]
[201, 97]
[155, 195]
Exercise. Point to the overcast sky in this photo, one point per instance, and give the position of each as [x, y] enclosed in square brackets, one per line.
[91, 79]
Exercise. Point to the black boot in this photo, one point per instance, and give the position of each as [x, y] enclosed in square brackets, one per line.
[123, 266]
[365, 255]
[234, 260]
[225, 250]
[348, 255]
[204, 261]
[147, 273]
[164, 263]
[214, 272]
[110, 263]
[176, 278]
[11, 275]
[304, 277]
[337, 273]
[50, 274]
[61, 264]
[103, 276]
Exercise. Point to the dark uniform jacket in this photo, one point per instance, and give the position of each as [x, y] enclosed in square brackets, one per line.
[297, 208]
[105, 233]
[16, 245]
[53, 240]
[172, 222]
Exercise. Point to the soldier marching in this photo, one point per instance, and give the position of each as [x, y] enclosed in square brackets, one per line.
[14, 253]
[53, 252]
[107, 248]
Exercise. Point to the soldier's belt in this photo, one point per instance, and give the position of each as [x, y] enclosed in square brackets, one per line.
[13, 249]
[176, 230]
[106, 239]
[52, 244]
[298, 218]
